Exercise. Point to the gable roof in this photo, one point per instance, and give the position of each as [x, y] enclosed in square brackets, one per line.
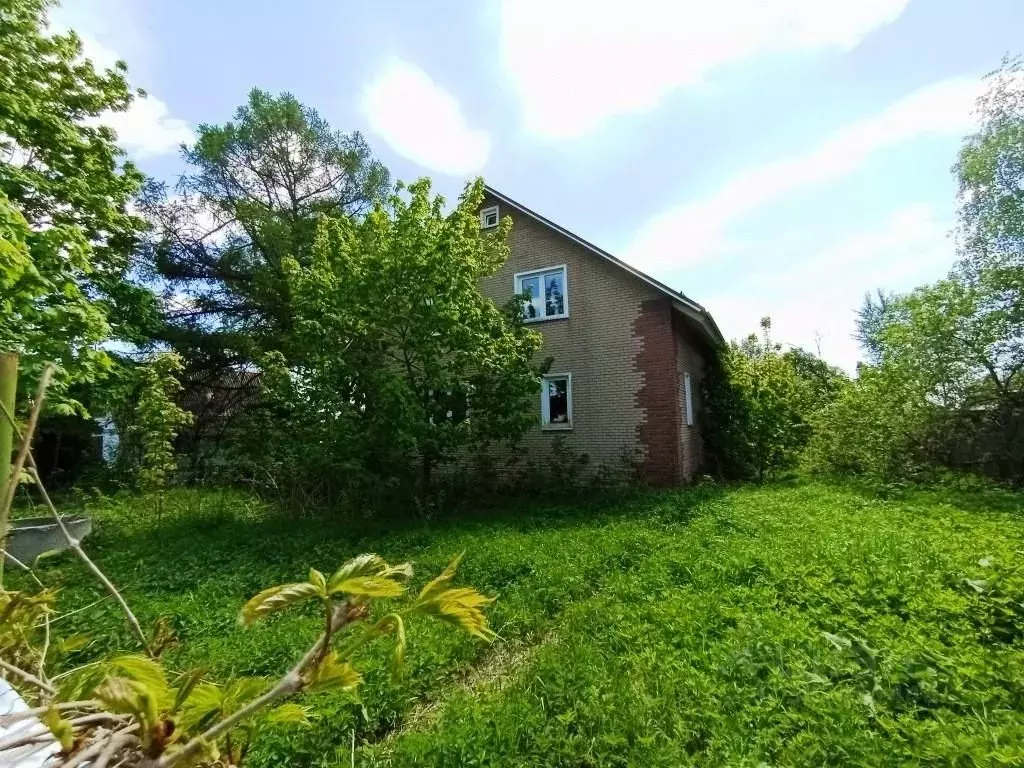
[680, 301]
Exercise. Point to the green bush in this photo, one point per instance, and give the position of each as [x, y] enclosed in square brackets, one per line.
[757, 405]
[875, 429]
[397, 366]
[142, 398]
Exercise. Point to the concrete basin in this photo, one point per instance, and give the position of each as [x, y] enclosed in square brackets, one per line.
[29, 538]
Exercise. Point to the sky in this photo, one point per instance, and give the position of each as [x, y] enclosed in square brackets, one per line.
[764, 157]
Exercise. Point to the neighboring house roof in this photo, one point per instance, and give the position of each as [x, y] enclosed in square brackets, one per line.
[680, 302]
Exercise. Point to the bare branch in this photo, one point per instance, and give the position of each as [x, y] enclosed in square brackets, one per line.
[14, 717]
[19, 564]
[41, 670]
[25, 739]
[27, 677]
[120, 739]
[83, 721]
[101, 747]
[73, 543]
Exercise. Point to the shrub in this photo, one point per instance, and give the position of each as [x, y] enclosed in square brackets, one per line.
[875, 429]
[755, 424]
[398, 366]
[148, 419]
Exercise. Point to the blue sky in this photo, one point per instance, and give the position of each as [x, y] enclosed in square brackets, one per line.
[765, 157]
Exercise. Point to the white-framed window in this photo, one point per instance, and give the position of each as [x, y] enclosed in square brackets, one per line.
[489, 217]
[688, 392]
[547, 291]
[556, 401]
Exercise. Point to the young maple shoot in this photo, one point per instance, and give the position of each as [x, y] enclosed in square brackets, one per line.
[345, 598]
[187, 720]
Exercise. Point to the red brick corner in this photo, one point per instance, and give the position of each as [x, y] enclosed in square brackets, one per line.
[658, 396]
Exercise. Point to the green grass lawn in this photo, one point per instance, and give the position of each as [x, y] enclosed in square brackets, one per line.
[775, 626]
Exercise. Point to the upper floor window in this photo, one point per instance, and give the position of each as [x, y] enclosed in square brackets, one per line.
[489, 217]
[547, 293]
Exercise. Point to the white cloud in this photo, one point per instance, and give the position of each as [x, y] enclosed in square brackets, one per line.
[146, 128]
[695, 231]
[577, 63]
[102, 56]
[817, 299]
[110, 29]
[420, 120]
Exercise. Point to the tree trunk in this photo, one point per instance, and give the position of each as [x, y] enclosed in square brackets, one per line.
[8, 391]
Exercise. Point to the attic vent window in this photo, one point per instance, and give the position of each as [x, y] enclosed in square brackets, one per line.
[489, 217]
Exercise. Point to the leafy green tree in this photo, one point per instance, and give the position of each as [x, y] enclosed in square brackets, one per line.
[400, 359]
[821, 383]
[871, 320]
[945, 381]
[251, 199]
[963, 337]
[954, 346]
[956, 339]
[148, 417]
[941, 389]
[990, 171]
[755, 420]
[64, 175]
[876, 428]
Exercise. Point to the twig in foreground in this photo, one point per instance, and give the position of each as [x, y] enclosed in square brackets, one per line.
[286, 686]
[111, 744]
[27, 676]
[20, 564]
[73, 543]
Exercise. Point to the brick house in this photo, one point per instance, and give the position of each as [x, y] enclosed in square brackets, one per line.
[628, 352]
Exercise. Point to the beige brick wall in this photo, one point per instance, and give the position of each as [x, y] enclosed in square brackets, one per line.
[595, 343]
[607, 345]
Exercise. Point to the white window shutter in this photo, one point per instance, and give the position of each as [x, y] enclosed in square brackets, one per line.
[688, 390]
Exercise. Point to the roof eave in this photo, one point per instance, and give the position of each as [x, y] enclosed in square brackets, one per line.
[682, 302]
[704, 321]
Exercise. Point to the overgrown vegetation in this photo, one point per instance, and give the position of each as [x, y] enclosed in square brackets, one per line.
[284, 266]
[942, 385]
[759, 402]
[399, 365]
[288, 261]
[132, 708]
[786, 625]
[289, 319]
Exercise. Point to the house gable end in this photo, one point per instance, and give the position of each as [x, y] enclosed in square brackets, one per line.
[694, 311]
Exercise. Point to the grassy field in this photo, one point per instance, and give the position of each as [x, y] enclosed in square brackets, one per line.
[775, 626]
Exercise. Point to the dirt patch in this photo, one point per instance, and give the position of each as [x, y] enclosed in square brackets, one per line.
[492, 674]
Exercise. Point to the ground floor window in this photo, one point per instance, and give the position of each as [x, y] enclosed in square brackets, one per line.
[556, 401]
